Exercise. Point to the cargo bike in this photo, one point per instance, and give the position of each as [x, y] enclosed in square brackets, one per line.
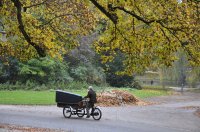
[74, 104]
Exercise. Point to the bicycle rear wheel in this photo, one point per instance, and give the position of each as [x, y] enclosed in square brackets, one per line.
[96, 114]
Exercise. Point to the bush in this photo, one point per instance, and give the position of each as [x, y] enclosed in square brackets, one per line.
[44, 71]
[118, 80]
[77, 85]
[79, 73]
[8, 86]
[40, 88]
[96, 75]
[88, 73]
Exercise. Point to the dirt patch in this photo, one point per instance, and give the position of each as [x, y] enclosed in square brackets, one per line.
[118, 98]
[15, 128]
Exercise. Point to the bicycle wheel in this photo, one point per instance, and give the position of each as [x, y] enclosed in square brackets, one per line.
[67, 112]
[97, 114]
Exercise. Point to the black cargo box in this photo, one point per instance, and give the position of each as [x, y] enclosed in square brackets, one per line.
[64, 98]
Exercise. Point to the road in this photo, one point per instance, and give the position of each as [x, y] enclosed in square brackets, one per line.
[172, 114]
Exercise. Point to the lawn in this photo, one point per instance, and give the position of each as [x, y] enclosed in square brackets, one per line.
[31, 97]
[149, 93]
[48, 97]
[27, 97]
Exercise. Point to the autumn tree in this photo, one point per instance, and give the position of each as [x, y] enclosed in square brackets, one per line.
[150, 32]
[146, 32]
[43, 27]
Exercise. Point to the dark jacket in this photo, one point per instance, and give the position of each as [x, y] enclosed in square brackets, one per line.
[92, 96]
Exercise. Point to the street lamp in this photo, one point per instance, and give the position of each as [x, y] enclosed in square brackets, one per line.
[3, 36]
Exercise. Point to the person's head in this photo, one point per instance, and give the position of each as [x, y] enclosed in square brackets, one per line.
[90, 88]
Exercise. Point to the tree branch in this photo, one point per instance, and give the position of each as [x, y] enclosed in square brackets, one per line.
[1, 3]
[183, 44]
[135, 15]
[112, 17]
[39, 50]
[168, 39]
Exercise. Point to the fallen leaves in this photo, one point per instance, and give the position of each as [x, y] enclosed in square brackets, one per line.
[197, 108]
[15, 128]
[190, 107]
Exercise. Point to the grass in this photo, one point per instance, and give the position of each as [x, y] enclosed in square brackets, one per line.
[20, 97]
[149, 93]
[31, 97]
[146, 93]
[27, 97]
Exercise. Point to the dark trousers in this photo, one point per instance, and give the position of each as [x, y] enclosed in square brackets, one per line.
[88, 106]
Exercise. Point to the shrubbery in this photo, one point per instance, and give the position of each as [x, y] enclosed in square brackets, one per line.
[74, 85]
[89, 73]
[46, 73]
[118, 80]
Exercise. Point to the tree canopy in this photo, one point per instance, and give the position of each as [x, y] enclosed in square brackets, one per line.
[146, 32]
[43, 27]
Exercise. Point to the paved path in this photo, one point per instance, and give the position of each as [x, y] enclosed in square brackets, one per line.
[174, 114]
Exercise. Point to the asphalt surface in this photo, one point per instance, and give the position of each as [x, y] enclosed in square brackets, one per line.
[172, 114]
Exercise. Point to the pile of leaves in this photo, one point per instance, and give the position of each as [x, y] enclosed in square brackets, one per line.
[118, 98]
[15, 128]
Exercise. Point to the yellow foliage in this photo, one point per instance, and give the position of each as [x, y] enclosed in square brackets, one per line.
[171, 24]
[51, 25]
[147, 32]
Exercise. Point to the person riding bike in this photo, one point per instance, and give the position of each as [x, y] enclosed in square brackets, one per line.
[92, 100]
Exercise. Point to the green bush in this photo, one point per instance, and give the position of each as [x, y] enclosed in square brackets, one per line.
[41, 88]
[8, 86]
[44, 71]
[79, 73]
[119, 80]
[88, 73]
[77, 85]
[9, 71]
[96, 75]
